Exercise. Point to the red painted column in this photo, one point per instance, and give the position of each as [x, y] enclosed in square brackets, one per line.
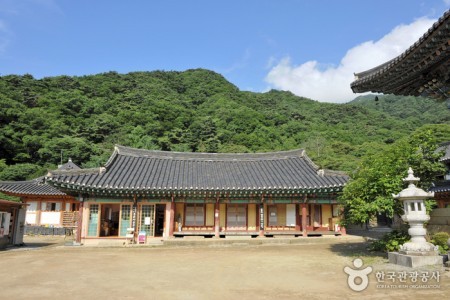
[217, 220]
[304, 214]
[170, 218]
[79, 222]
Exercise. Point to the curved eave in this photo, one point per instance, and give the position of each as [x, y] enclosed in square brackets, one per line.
[440, 189]
[417, 71]
[30, 189]
[31, 195]
[209, 193]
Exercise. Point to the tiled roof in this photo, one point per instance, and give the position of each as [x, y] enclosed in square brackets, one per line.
[36, 186]
[422, 70]
[10, 203]
[69, 165]
[446, 148]
[441, 187]
[31, 187]
[134, 170]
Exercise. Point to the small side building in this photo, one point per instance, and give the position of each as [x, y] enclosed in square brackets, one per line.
[46, 205]
[12, 220]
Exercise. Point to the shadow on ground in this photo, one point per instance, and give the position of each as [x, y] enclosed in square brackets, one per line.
[368, 234]
[355, 249]
[37, 242]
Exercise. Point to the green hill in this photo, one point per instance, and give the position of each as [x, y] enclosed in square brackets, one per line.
[414, 109]
[44, 121]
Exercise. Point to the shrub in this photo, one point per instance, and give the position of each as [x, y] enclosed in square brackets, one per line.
[390, 241]
[440, 239]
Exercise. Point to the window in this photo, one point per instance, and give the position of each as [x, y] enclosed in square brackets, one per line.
[236, 215]
[125, 219]
[147, 219]
[317, 215]
[272, 210]
[51, 206]
[195, 215]
[32, 206]
[4, 223]
[290, 215]
[93, 220]
[335, 210]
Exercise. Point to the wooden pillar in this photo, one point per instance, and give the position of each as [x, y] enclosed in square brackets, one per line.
[61, 213]
[38, 212]
[80, 221]
[304, 218]
[170, 218]
[217, 219]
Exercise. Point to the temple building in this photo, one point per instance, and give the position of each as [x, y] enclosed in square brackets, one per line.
[173, 194]
[422, 70]
[45, 205]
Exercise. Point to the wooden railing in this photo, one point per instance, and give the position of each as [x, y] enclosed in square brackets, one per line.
[70, 219]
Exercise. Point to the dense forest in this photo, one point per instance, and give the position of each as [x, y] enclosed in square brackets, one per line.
[45, 121]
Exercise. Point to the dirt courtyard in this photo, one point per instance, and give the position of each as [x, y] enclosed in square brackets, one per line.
[310, 270]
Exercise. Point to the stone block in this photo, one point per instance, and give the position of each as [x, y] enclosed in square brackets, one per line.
[414, 261]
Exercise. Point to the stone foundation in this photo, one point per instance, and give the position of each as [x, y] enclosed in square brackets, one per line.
[414, 261]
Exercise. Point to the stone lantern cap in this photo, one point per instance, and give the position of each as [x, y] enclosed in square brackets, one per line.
[412, 192]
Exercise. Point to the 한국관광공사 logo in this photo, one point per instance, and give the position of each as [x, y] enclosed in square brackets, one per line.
[362, 274]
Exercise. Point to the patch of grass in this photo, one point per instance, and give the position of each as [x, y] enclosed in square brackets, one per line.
[360, 250]
[440, 239]
[390, 241]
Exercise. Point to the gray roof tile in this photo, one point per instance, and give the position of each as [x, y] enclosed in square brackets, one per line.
[36, 186]
[144, 170]
[30, 187]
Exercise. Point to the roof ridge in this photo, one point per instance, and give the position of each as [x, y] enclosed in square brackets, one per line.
[128, 151]
[328, 172]
[32, 181]
[76, 171]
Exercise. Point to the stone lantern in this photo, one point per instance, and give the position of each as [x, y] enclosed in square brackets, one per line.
[417, 252]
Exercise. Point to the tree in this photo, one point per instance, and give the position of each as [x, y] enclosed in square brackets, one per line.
[195, 110]
[379, 176]
[21, 172]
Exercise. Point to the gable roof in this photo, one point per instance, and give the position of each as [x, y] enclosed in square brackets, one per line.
[130, 170]
[69, 165]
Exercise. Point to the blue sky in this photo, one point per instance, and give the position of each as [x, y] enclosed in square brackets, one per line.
[310, 47]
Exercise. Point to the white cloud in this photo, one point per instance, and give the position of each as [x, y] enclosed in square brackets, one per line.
[332, 83]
